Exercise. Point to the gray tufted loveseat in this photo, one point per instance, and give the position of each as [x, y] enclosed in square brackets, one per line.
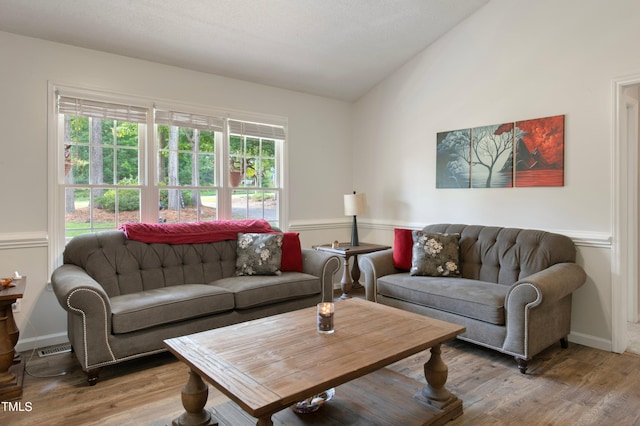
[124, 297]
[513, 294]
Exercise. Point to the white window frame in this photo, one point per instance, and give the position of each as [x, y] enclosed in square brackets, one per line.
[147, 166]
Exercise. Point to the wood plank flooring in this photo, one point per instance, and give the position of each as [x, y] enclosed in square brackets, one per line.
[574, 386]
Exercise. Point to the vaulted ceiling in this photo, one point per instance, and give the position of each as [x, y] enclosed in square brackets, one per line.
[334, 48]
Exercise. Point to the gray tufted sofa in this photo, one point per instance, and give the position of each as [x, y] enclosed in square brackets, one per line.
[124, 297]
[513, 295]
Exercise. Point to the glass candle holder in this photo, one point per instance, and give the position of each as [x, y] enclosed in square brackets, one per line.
[325, 317]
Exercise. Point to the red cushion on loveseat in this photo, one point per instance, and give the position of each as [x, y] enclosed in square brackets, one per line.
[402, 248]
[291, 253]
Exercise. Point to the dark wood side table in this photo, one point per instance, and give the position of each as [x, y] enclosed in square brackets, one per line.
[11, 366]
[346, 251]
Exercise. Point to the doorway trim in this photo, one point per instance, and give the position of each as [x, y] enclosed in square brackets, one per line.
[625, 216]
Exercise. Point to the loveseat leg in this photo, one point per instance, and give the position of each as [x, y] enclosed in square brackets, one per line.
[92, 376]
[564, 342]
[522, 365]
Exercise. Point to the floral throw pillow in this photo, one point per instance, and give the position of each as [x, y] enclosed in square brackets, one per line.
[259, 254]
[436, 255]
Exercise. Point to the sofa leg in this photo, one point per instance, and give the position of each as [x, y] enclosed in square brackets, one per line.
[92, 376]
[522, 365]
[564, 342]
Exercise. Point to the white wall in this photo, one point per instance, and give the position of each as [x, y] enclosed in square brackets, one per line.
[319, 134]
[513, 60]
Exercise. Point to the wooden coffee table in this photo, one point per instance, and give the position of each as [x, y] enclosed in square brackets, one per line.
[266, 365]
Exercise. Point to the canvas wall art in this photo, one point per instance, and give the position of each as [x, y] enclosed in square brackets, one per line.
[515, 154]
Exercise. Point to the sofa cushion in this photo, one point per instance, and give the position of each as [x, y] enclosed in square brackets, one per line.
[166, 305]
[435, 254]
[291, 253]
[252, 291]
[402, 248]
[470, 298]
[258, 254]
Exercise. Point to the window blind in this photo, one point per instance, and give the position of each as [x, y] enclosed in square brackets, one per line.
[185, 119]
[103, 110]
[258, 130]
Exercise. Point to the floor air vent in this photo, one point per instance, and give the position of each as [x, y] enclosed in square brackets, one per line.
[54, 350]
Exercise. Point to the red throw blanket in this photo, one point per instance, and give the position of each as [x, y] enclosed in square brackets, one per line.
[189, 233]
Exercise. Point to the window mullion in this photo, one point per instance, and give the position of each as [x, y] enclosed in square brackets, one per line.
[148, 171]
[224, 189]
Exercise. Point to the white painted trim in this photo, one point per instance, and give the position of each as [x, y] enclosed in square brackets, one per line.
[588, 239]
[629, 125]
[23, 240]
[55, 197]
[622, 182]
[590, 341]
[579, 238]
[318, 225]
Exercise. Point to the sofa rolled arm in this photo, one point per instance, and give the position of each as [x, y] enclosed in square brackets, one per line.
[84, 298]
[543, 288]
[373, 266]
[77, 291]
[546, 286]
[323, 265]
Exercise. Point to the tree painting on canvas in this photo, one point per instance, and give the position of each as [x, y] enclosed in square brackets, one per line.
[453, 159]
[540, 152]
[491, 156]
[521, 154]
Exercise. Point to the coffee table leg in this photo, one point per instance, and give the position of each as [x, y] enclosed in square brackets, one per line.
[265, 421]
[194, 398]
[436, 372]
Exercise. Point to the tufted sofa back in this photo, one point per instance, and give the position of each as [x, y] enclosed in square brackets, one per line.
[505, 255]
[124, 266]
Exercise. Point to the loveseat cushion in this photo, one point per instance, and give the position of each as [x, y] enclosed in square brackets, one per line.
[435, 254]
[252, 291]
[402, 248]
[166, 305]
[291, 253]
[470, 298]
[258, 254]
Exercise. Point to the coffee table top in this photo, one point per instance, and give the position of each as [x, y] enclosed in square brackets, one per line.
[268, 364]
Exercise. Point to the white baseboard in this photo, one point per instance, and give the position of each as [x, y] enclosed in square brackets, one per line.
[38, 342]
[591, 341]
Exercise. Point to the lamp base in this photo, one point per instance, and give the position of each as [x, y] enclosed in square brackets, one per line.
[354, 233]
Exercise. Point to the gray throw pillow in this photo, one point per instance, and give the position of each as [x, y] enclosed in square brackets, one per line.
[258, 254]
[434, 254]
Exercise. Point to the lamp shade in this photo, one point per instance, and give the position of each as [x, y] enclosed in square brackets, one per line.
[355, 204]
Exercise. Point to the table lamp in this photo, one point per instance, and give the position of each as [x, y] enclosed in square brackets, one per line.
[354, 204]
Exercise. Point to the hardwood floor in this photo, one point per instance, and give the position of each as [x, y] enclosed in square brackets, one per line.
[574, 386]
